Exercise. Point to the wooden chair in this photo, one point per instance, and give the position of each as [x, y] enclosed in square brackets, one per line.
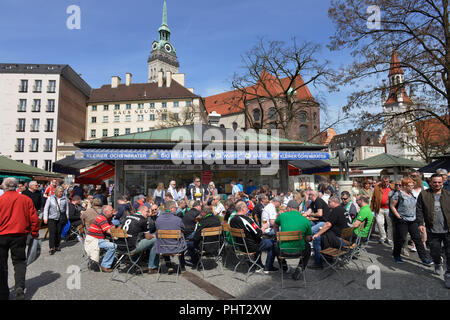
[167, 235]
[292, 252]
[123, 254]
[343, 255]
[211, 232]
[242, 253]
[226, 246]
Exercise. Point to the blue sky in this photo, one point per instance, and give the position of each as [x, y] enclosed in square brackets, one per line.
[116, 36]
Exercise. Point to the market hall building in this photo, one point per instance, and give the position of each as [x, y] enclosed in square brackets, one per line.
[142, 160]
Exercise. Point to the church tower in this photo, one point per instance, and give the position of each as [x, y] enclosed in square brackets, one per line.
[400, 136]
[163, 56]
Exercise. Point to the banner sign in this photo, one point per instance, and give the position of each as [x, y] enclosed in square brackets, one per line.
[166, 154]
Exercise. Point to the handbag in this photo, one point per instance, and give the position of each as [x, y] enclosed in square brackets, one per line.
[34, 249]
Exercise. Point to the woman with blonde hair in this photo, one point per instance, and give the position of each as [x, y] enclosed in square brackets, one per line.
[159, 194]
[56, 215]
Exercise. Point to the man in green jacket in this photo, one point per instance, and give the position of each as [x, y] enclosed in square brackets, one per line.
[433, 217]
[364, 215]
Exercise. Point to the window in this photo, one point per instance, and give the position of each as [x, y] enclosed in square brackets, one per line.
[117, 107]
[235, 126]
[127, 130]
[105, 107]
[37, 86]
[116, 118]
[34, 163]
[34, 147]
[22, 107]
[51, 105]
[20, 125]
[48, 145]
[176, 116]
[176, 104]
[164, 116]
[93, 133]
[140, 117]
[48, 165]
[23, 86]
[35, 125]
[116, 132]
[152, 105]
[303, 133]
[93, 119]
[188, 103]
[140, 129]
[105, 119]
[49, 126]
[128, 117]
[128, 107]
[105, 132]
[94, 108]
[164, 104]
[151, 128]
[303, 117]
[256, 114]
[19, 145]
[272, 114]
[140, 106]
[51, 86]
[152, 117]
[36, 105]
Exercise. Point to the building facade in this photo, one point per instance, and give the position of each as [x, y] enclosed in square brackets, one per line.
[43, 108]
[367, 144]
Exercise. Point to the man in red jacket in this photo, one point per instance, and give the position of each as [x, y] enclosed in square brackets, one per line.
[18, 218]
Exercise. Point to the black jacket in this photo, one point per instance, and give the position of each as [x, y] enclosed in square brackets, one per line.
[208, 221]
[36, 197]
[253, 234]
[74, 212]
[189, 221]
[425, 207]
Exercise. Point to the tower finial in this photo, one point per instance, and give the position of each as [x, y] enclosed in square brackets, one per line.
[164, 19]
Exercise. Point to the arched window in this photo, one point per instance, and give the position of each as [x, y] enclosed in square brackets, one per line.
[303, 117]
[256, 114]
[303, 133]
[235, 126]
[272, 114]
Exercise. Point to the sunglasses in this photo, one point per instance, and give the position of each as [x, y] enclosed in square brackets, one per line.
[344, 198]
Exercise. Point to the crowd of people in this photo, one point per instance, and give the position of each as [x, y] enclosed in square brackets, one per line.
[393, 209]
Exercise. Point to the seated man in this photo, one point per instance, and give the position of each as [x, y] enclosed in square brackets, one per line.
[89, 215]
[292, 220]
[75, 210]
[207, 220]
[254, 236]
[182, 208]
[169, 221]
[123, 210]
[317, 212]
[190, 220]
[135, 224]
[328, 235]
[349, 206]
[99, 229]
[365, 215]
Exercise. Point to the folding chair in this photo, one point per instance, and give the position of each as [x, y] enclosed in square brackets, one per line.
[123, 254]
[211, 232]
[226, 246]
[361, 250]
[85, 257]
[174, 235]
[343, 255]
[242, 253]
[290, 236]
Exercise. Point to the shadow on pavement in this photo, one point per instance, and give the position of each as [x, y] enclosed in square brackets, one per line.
[33, 284]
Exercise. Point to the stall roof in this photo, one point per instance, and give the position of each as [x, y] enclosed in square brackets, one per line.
[442, 162]
[9, 166]
[70, 165]
[96, 175]
[385, 161]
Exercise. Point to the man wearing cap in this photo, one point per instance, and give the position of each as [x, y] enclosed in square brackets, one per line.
[292, 220]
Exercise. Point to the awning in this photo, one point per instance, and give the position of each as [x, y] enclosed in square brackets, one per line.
[311, 166]
[19, 178]
[96, 175]
[70, 165]
[187, 154]
[443, 163]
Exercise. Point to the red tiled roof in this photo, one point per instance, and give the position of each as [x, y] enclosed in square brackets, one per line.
[395, 64]
[233, 101]
[327, 136]
[140, 91]
[393, 98]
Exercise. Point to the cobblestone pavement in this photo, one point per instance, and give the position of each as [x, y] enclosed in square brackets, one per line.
[50, 278]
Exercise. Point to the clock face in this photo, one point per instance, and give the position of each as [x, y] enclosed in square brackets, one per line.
[168, 47]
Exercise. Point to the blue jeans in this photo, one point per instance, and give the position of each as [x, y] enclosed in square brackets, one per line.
[145, 244]
[110, 254]
[192, 252]
[269, 246]
[315, 226]
[116, 222]
[317, 243]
